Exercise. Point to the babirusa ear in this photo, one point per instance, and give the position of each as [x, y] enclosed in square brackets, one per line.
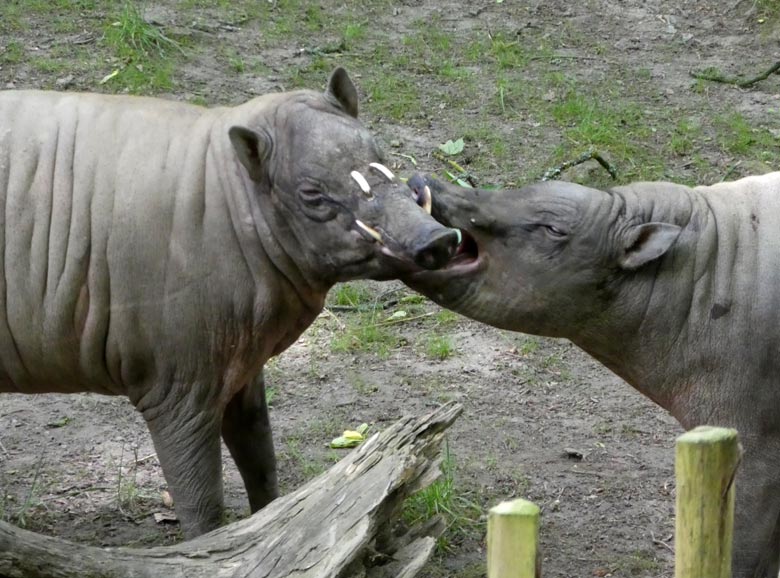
[647, 242]
[342, 92]
[253, 149]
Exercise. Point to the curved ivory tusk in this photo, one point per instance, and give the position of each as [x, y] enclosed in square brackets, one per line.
[388, 174]
[361, 180]
[428, 200]
[371, 232]
[460, 236]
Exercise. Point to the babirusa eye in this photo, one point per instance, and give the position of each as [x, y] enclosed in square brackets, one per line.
[311, 197]
[554, 231]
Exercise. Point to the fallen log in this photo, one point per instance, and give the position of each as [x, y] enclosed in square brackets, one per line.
[343, 524]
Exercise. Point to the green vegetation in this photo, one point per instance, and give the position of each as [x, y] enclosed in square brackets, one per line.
[737, 136]
[147, 56]
[353, 294]
[639, 563]
[133, 38]
[684, 136]
[20, 514]
[446, 498]
[367, 336]
[439, 347]
[13, 53]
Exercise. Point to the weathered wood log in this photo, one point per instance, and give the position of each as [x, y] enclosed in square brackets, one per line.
[342, 524]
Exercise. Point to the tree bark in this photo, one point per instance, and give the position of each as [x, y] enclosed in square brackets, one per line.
[343, 524]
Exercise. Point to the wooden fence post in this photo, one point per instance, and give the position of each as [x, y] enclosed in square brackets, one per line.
[706, 461]
[513, 540]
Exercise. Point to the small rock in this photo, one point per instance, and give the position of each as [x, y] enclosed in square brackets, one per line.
[64, 82]
[165, 518]
[574, 454]
[395, 144]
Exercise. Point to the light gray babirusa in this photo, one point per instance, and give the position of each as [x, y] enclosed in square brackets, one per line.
[675, 289]
[165, 252]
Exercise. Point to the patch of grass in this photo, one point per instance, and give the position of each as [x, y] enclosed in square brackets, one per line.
[446, 318]
[147, 54]
[439, 347]
[133, 38]
[639, 563]
[128, 492]
[199, 100]
[413, 298]
[156, 76]
[392, 95]
[588, 120]
[366, 336]
[314, 17]
[353, 294]
[49, 65]
[444, 498]
[768, 11]
[271, 395]
[629, 430]
[684, 136]
[611, 124]
[19, 515]
[737, 136]
[237, 64]
[309, 467]
[529, 346]
[353, 34]
[507, 53]
[13, 53]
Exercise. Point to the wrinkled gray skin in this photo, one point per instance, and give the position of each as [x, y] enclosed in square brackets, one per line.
[165, 252]
[675, 289]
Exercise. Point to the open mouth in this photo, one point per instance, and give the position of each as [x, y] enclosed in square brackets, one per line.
[466, 256]
[467, 252]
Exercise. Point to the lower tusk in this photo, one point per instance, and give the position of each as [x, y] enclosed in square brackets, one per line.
[382, 169]
[361, 180]
[428, 200]
[373, 233]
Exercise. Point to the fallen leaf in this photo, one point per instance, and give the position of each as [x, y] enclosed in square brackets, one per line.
[452, 147]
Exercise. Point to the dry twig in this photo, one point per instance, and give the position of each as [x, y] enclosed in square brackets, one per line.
[716, 75]
[555, 172]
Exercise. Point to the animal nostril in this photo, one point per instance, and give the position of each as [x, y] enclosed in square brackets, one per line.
[438, 250]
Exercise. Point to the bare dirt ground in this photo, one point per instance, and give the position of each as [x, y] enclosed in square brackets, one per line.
[527, 85]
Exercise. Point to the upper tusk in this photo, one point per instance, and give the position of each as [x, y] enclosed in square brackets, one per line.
[361, 180]
[376, 235]
[428, 200]
[383, 169]
[460, 236]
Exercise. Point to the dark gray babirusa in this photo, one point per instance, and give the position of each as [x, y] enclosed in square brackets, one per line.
[675, 289]
[165, 252]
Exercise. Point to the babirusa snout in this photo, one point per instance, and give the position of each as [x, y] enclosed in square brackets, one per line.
[437, 249]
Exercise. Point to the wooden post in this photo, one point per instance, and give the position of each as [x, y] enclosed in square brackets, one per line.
[705, 463]
[513, 540]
